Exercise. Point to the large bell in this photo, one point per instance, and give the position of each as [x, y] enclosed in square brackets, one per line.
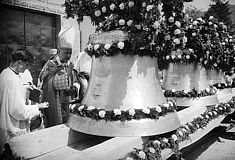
[215, 76]
[124, 82]
[185, 77]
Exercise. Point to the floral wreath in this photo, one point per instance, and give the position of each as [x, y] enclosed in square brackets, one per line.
[152, 148]
[194, 93]
[123, 115]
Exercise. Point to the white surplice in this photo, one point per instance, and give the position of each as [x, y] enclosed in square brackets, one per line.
[14, 114]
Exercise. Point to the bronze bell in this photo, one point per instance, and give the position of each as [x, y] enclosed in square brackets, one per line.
[123, 82]
[185, 77]
[215, 76]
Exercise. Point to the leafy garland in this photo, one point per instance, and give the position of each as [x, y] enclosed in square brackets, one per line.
[222, 85]
[121, 115]
[194, 93]
[152, 148]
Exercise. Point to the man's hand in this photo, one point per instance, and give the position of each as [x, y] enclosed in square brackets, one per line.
[43, 105]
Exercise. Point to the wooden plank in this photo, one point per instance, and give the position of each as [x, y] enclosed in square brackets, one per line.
[43, 141]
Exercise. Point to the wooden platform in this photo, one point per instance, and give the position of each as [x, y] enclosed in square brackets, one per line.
[61, 142]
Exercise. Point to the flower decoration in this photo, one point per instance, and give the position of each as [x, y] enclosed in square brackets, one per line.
[117, 114]
[152, 148]
[194, 93]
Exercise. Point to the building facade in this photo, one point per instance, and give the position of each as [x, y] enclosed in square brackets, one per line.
[30, 24]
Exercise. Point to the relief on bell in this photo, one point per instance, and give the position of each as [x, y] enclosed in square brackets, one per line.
[175, 80]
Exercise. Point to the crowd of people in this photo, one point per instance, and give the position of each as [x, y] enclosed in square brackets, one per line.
[59, 83]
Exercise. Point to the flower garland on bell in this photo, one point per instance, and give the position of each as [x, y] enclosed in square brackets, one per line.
[222, 85]
[152, 148]
[138, 18]
[194, 93]
[123, 115]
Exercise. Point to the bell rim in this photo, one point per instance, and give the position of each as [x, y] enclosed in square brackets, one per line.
[132, 128]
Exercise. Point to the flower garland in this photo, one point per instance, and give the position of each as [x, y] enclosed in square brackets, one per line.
[194, 93]
[152, 148]
[222, 85]
[127, 115]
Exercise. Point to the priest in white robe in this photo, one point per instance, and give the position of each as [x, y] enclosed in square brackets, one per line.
[14, 113]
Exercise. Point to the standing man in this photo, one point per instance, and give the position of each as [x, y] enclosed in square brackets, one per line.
[14, 113]
[60, 85]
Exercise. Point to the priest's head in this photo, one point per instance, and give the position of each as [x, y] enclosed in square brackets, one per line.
[21, 59]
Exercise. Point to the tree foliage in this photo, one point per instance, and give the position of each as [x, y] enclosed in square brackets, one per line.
[220, 10]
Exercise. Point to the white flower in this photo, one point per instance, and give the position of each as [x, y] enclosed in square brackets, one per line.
[214, 112]
[171, 19]
[173, 56]
[129, 158]
[146, 110]
[80, 108]
[207, 90]
[177, 41]
[180, 133]
[184, 130]
[144, 4]
[121, 6]
[89, 108]
[185, 39]
[158, 109]
[215, 65]
[129, 23]
[107, 46]
[166, 105]
[173, 90]
[211, 17]
[120, 45]
[142, 155]
[104, 9]
[215, 26]
[173, 14]
[167, 57]
[121, 22]
[96, 47]
[97, 13]
[138, 26]
[117, 112]
[112, 7]
[156, 142]
[186, 91]
[223, 43]
[178, 24]
[190, 26]
[171, 103]
[151, 149]
[179, 56]
[195, 23]
[131, 112]
[187, 56]
[96, 1]
[72, 106]
[165, 140]
[156, 25]
[210, 23]
[168, 37]
[89, 47]
[199, 19]
[102, 113]
[174, 137]
[131, 4]
[186, 127]
[149, 7]
[194, 34]
[207, 116]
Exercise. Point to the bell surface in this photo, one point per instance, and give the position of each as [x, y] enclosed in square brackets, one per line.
[215, 76]
[182, 76]
[124, 82]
